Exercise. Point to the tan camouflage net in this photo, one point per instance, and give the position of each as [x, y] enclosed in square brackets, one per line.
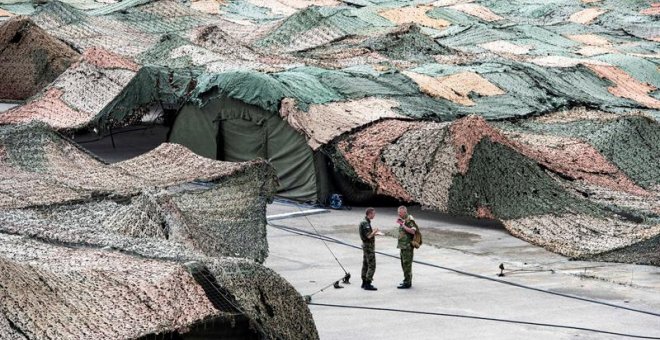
[170, 214]
[323, 123]
[80, 94]
[29, 58]
[151, 195]
[52, 291]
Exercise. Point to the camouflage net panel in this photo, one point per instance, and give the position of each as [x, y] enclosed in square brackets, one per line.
[51, 291]
[323, 123]
[311, 27]
[267, 299]
[586, 237]
[147, 196]
[631, 143]
[80, 94]
[516, 186]
[98, 287]
[645, 252]
[407, 43]
[422, 160]
[229, 219]
[229, 52]
[360, 152]
[29, 58]
[468, 167]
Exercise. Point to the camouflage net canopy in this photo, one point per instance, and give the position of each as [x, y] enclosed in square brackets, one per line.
[437, 60]
[54, 291]
[170, 193]
[30, 59]
[541, 114]
[156, 244]
[557, 185]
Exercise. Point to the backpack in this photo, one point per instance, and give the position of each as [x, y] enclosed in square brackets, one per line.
[417, 238]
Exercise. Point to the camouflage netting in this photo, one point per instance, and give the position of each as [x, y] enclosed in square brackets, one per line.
[130, 242]
[29, 58]
[80, 94]
[563, 193]
[561, 136]
[53, 291]
[158, 194]
[435, 61]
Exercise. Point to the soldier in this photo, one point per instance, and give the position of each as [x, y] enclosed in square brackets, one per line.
[407, 229]
[368, 236]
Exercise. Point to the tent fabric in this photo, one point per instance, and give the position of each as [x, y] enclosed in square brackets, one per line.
[231, 130]
[196, 130]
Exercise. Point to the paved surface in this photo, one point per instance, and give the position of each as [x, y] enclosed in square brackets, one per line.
[468, 245]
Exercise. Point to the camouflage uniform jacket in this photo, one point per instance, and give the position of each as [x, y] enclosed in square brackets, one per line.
[404, 237]
[365, 230]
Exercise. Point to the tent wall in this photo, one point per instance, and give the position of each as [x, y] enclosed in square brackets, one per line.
[196, 130]
[230, 130]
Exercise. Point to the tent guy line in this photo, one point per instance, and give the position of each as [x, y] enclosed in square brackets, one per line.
[296, 214]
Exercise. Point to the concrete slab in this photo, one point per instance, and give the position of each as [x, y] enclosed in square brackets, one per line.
[473, 246]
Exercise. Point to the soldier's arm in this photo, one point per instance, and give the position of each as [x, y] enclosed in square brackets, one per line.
[363, 231]
[410, 230]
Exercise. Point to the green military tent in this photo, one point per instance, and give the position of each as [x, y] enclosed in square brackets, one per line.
[231, 130]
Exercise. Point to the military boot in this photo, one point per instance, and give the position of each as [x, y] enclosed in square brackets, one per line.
[368, 286]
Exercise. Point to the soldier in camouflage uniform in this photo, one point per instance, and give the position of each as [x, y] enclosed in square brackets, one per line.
[368, 236]
[407, 229]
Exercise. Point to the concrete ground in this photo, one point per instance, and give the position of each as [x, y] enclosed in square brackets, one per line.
[468, 245]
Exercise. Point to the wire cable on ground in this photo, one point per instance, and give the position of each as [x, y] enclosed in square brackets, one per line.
[347, 275]
[334, 283]
[540, 324]
[458, 271]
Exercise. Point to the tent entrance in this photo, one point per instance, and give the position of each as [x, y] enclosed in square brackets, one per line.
[230, 130]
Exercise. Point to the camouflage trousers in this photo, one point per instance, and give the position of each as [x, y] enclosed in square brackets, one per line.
[368, 261]
[406, 265]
